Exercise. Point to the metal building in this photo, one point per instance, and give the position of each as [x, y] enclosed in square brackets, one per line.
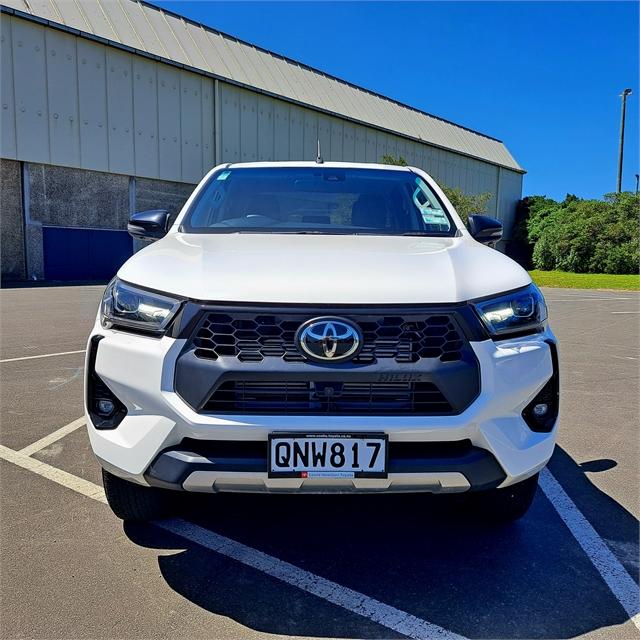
[111, 106]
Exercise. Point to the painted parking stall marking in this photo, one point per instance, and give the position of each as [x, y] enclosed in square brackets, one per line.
[613, 573]
[53, 437]
[348, 599]
[44, 355]
[384, 614]
[622, 586]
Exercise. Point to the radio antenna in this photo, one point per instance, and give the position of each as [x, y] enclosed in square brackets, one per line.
[319, 159]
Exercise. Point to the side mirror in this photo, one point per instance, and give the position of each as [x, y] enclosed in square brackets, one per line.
[485, 229]
[149, 225]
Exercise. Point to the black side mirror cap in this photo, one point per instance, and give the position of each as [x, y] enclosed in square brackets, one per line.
[149, 225]
[485, 229]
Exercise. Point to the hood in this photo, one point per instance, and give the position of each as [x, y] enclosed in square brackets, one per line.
[322, 269]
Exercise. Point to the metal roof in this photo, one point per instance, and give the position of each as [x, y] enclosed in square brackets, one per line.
[148, 30]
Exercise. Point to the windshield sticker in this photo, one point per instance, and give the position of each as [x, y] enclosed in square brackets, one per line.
[224, 175]
[434, 217]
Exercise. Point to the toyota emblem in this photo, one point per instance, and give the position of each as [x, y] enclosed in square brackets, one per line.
[329, 339]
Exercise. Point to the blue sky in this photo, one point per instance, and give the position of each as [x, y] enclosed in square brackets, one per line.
[544, 77]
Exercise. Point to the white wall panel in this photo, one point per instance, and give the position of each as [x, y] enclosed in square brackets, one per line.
[73, 102]
[92, 101]
[281, 130]
[229, 123]
[169, 123]
[191, 127]
[32, 112]
[62, 93]
[145, 117]
[310, 148]
[371, 146]
[266, 143]
[348, 142]
[337, 140]
[248, 126]
[324, 136]
[296, 133]
[361, 144]
[208, 125]
[120, 112]
[7, 96]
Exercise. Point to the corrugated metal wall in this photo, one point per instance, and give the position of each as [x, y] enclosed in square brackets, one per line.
[155, 32]
[256, 127]
[108, 110]
[100, 108]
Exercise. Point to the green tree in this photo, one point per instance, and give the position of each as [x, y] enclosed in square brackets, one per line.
[391, 159]
[585, 236]
[467, 204]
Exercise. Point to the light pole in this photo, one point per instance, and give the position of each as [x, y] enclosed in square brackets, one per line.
[623, 95]
[637, 180]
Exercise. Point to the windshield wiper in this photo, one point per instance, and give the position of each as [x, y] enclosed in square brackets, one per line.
[417, 233]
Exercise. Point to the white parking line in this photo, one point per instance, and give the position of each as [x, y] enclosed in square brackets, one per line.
[44, 355]
[79, 485]
[350, 600]
[616, 577]
[619, 312]
[53, 437]
[609, 567]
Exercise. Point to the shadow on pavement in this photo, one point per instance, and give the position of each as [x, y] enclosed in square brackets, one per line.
[614, 523]
[418, 553]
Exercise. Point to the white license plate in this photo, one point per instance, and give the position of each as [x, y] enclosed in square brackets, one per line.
[328, 455]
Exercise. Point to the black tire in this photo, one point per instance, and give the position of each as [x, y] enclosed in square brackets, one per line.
[505, 505]
[133, 502]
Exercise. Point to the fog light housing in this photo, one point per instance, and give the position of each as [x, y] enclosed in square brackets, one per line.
[542, 412]
[104, 407]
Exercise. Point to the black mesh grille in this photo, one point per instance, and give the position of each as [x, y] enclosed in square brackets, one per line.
[252, 338]
[341, 398]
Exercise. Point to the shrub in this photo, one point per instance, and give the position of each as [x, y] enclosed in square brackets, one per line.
[466, 204]
[585, 236]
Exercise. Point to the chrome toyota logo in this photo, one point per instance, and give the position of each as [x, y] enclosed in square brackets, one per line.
[329, 339]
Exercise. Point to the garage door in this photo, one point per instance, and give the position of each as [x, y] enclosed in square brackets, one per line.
[84, 254]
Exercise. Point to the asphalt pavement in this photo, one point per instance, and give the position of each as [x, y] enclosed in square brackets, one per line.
[242, 566]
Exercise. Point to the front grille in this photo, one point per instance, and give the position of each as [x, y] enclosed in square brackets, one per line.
[252, 338]
[339, 398]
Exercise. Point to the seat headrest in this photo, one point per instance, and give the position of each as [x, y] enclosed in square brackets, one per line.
[369, 210]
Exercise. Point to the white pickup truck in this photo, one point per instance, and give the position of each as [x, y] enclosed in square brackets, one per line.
[320, 328]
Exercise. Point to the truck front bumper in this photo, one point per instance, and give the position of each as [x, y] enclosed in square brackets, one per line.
[163, 441]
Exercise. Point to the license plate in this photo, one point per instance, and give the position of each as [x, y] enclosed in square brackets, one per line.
[327, 455]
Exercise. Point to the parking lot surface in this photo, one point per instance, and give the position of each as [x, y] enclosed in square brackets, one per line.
[242, 566]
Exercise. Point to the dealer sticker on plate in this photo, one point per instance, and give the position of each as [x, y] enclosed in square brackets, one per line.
[362, 455]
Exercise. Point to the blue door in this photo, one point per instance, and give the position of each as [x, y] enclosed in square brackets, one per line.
[84, 254]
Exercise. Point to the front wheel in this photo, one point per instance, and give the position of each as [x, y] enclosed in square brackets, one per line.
[505, 505]
[133, 502]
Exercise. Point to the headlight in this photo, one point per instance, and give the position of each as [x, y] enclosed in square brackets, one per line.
[127, 306]
[515, 312]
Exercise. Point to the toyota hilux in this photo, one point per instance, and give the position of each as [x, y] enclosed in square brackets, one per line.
[309, 327]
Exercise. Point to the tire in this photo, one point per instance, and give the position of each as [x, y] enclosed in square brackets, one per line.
[136, 503]
[505, 505]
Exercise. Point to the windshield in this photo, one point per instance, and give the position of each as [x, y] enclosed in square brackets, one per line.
[317, 200]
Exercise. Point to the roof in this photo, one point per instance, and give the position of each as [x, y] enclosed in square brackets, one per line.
[326, 164]
[145, 29]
